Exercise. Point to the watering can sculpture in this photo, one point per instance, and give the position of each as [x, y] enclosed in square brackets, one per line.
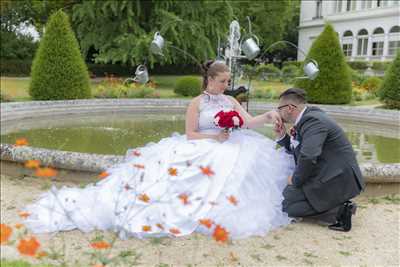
[235, 49]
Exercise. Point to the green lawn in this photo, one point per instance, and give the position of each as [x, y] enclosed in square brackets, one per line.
[16, 89]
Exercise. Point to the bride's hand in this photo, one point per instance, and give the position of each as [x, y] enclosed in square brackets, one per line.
[222, 136]
[273, 117]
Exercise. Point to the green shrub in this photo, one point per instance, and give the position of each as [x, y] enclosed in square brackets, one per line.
[357, 95]
[289, 72]
[142, 92]
[390, 89]
[356, 77]
[297, 64]
[249, 71]
[5, 98]
[188, 86]
[372, 85]
[58, 70]
[262, 93]
[267, 71]
[358, 65]
[15, 67]
[379, 65]
[333, 83]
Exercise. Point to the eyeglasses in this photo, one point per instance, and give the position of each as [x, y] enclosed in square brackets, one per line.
[283, 106]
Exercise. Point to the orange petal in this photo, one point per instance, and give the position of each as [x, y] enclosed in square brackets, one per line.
[220, 234]
[21, 142]
[206, 222]
[5, 233]
[184, 198]
[173, 171]
[232, 200]
[139, 166]
[136, 153]
[28, 246]
[18, 225]
[174, 231]
[103, 175]
[100, 245]
[46, 172]
[146, 228]
[144, 198]
[24, 214]
[32, 164]
[207, 171]
[159, 225]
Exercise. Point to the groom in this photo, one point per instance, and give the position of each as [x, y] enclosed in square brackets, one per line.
[327, 174]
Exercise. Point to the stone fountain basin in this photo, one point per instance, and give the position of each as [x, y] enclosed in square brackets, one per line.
[19, 115]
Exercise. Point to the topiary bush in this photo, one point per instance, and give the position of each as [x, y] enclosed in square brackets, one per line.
[389, 92]
[268, 71]
[58, 70]
[372, 85]
[289, 72]
[188, 86]
[358, 65]
[333, 83]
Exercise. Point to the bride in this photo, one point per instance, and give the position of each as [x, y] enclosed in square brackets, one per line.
[205, 180]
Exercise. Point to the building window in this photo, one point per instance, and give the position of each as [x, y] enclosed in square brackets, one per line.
[350, 5]
[338, 6]
[318, 11]
[393, 47]
[363, 4]
[369, 3]
[347, 49]
[347, 34]
[379, 31]
[377, 48]
[362, 43]
[395, 29]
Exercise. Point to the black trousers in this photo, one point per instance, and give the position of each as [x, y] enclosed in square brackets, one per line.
[295, 204]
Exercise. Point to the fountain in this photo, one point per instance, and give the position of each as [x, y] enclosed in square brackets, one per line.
[20, 116]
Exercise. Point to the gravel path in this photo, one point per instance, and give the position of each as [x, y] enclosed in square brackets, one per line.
[374, 240]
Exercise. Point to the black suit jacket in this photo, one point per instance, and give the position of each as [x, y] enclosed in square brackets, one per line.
[326, 165]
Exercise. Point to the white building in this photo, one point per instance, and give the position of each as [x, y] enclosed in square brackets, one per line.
[367, 29]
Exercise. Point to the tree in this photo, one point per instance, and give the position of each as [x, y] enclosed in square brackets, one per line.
[390, 90]
[121, 31]
[58, 70]
[333, 84]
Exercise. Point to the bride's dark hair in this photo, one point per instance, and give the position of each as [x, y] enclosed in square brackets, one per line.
[212, 68]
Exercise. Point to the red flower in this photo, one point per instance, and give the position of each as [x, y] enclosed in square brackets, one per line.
[228, 120]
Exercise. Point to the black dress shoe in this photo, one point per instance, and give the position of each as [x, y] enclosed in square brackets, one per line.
[344, 217]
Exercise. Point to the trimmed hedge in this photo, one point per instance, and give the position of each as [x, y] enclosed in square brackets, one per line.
[15, 67]
[333, 83]
[58, 70]
[188, 86]
[358, 65]
[390, 89]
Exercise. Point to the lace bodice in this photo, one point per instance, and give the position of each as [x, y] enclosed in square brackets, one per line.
[209, 106]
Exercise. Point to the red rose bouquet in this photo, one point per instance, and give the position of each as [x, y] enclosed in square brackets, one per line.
[228, 120]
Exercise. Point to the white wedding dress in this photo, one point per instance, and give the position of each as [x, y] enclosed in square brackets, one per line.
[165, 188]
